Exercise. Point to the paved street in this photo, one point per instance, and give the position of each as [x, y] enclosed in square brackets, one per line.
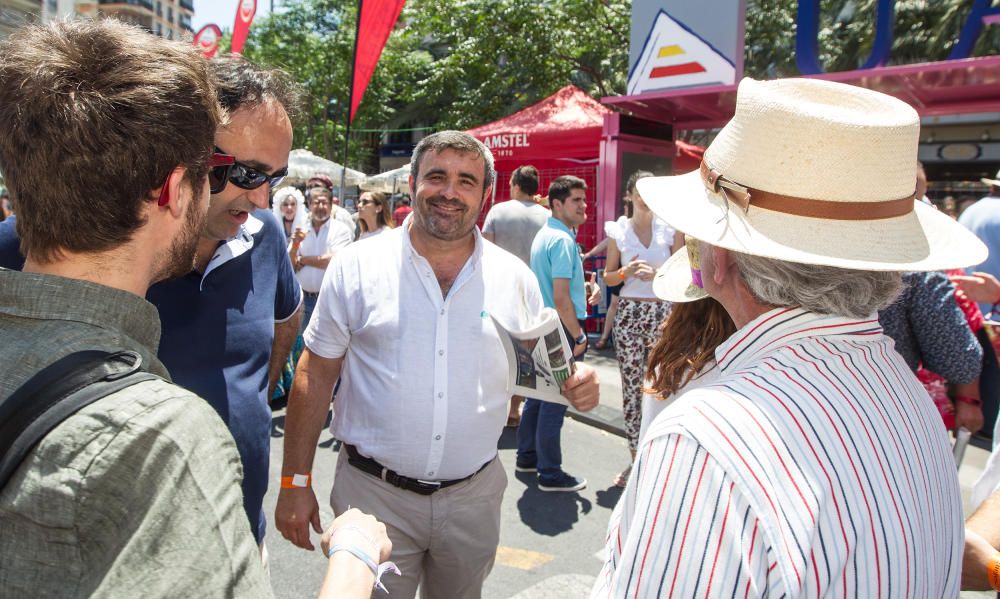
[550, 542]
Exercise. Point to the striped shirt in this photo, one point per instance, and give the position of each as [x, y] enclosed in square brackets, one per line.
[815, 465]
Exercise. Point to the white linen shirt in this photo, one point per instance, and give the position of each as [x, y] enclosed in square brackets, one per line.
[814, 466]
[332, 236]
[424, 379]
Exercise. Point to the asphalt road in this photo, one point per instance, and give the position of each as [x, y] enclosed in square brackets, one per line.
[549, 542]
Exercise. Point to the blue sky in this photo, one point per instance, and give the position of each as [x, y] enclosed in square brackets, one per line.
[222, 12]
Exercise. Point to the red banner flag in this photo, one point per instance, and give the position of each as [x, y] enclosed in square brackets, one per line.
[207, 40]
[244, 16]
[376, 21]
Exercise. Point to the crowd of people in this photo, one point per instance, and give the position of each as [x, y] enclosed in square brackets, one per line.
[794, 345]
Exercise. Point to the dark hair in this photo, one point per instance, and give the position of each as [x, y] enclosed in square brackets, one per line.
[630, 186]
[385, 217]
[243, 84]
[458, 141]
[687, 343]
[112, 110]
[526, 178]
[562, 187]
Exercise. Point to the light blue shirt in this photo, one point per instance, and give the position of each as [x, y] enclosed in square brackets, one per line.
[983, 219]
[554, 256]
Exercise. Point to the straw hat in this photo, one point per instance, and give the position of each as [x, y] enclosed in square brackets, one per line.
[992, 182]
[815, 172]
[674, 282]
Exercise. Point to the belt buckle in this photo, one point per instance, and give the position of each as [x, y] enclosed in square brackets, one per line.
[430, 485]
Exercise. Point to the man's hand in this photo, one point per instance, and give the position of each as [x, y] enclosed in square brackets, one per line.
[969, 416]
[981, 287]
[582, 388]
[296, 510]
[357, 528]
[593, 290]
[298, 236]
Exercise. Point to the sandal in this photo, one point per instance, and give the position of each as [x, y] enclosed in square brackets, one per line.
[622, 479]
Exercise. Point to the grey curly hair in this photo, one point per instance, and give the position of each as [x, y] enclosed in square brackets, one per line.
[820, 289]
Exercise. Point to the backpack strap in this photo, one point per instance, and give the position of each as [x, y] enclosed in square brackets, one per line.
[55, 393]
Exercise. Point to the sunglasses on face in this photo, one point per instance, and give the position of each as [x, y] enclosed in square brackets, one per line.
[242, 176]
[365, 202]
[218, 159]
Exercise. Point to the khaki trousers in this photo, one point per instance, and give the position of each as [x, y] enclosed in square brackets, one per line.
[445, 542]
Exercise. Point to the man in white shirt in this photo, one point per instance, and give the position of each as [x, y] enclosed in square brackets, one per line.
[406, 318]
[311, 250]
[337, 211]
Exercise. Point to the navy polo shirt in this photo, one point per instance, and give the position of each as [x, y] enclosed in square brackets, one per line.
[10, 246]
[217, 335]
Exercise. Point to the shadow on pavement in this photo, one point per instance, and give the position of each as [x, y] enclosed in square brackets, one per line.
[608, 498]
[508, 438]
[548, 513]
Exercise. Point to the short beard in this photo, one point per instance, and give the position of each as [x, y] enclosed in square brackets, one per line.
[181, 255]
[439, 230]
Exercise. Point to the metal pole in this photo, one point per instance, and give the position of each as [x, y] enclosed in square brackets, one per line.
[350, 103]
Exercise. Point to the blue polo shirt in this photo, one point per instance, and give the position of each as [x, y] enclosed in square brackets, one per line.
[217, 335]
[10, 245]
[554, 256]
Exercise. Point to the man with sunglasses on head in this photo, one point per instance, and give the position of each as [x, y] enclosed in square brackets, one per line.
[338, 212]
[230, 322]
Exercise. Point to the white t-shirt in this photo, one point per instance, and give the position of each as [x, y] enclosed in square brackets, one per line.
[630, 248]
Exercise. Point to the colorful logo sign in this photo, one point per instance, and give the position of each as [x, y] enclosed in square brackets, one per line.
[674, 57]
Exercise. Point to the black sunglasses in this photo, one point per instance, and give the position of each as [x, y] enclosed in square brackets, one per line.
[242, 176]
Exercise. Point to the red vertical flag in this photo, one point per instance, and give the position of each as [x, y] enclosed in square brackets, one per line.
[376, 21]
[207, 40]
[244, 16]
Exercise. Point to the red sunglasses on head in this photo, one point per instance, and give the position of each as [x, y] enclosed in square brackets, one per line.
[215, 160]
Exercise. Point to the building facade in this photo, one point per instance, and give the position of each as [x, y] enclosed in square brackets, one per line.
[168, 18]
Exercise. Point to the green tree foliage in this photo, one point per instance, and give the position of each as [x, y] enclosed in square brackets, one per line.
[462, 63]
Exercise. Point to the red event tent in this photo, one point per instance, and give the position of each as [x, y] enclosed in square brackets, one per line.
[561, 135]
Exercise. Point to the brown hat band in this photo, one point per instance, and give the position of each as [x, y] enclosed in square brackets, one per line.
[744, 196]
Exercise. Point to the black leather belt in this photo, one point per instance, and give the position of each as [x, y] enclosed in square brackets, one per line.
[422, 487]
[310, 293]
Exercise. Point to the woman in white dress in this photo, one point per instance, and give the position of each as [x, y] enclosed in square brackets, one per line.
[374, 216]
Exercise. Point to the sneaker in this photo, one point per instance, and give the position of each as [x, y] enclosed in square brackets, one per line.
[524, 467]
[564, 483]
